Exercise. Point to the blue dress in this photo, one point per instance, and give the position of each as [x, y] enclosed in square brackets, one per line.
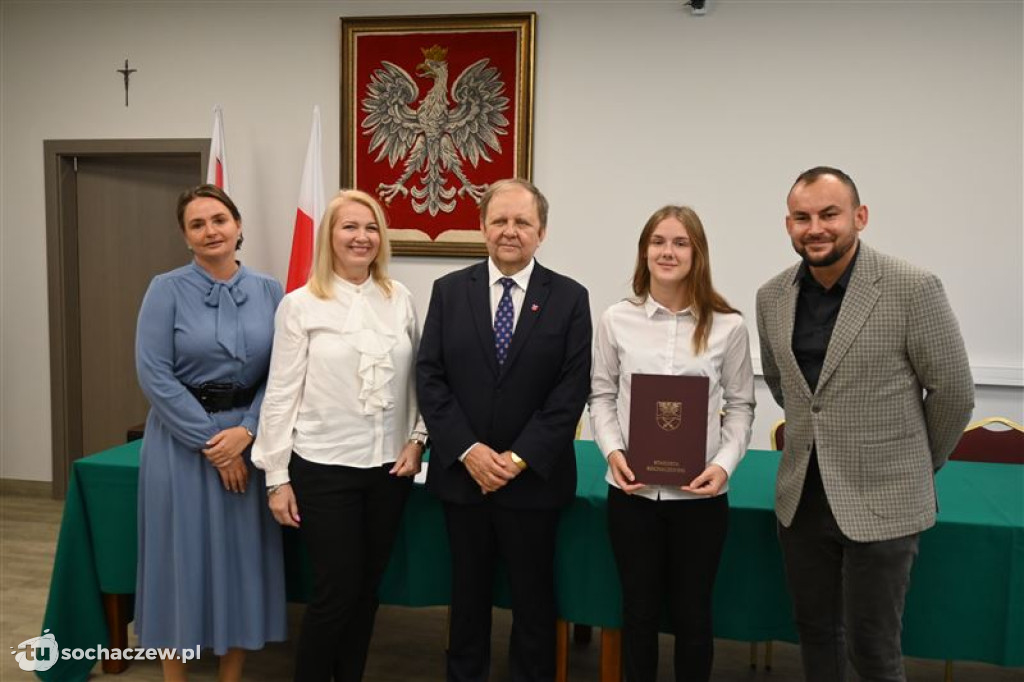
[210, 567]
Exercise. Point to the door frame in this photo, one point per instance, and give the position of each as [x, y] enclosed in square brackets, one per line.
[59, 163]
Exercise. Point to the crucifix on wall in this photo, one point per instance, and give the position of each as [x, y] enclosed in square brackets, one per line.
[127, 74]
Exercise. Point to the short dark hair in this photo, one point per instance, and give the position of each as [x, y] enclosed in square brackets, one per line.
[810, 175]
[207, 192]
[538, 199]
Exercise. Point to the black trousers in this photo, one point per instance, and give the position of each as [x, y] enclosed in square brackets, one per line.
[667, 551]
[848, 596]
[524, 539]
[349, 520]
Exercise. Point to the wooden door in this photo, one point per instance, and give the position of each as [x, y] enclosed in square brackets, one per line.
[127, 233]
[114, 203]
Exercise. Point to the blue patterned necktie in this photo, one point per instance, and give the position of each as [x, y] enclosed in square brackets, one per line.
[504, 320]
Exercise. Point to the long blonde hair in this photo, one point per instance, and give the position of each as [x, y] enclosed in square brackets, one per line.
[704, 300]
[320, 276]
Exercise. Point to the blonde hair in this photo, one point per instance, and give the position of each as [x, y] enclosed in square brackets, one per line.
[704, 299]
[320, 276]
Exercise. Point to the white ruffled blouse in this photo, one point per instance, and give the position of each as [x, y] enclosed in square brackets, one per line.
[341, 389]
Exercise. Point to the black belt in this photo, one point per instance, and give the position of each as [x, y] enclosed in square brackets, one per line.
[218, 396]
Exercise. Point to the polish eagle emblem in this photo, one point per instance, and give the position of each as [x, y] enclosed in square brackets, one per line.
[436, 137]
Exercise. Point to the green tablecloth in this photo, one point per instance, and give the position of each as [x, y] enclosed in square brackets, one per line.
[966, 600]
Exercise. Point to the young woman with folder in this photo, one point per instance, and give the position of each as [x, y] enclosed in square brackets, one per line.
[668, 539]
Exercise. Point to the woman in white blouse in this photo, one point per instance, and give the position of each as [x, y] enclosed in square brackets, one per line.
[340, 434]
[668, 541]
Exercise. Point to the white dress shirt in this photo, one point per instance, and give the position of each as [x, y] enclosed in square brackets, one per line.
[341, 389]
[647, 338]
[522, 280]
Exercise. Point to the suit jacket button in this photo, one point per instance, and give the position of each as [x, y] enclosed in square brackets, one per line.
[816, 409]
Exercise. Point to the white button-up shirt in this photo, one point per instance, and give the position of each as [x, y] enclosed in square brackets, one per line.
[518, 292]
[342, 388]
[647, 338]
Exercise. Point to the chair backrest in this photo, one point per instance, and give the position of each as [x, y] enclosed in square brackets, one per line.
[778, 435]
[982, 443]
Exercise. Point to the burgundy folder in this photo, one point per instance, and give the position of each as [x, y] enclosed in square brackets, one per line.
[668, 428]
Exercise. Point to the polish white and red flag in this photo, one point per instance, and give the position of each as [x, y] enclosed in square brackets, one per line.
[311, 208]
[217, 167]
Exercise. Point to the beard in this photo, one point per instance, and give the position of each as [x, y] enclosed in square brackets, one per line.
[832, 257]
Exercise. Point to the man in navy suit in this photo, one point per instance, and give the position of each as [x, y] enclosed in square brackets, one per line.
[503, 374]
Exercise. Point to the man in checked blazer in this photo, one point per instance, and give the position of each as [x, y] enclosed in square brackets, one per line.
[502, 376]
[864, 353]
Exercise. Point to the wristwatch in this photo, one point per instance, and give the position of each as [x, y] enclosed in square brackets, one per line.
[518, 461]
[419, 440]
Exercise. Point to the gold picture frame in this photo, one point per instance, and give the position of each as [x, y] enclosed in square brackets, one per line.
[433, 110]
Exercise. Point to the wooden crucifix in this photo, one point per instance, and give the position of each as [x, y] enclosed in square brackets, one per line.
[127, 74]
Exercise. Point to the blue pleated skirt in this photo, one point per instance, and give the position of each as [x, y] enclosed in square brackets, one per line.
[210, 567]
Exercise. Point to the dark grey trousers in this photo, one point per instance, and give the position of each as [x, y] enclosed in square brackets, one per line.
[848, 596]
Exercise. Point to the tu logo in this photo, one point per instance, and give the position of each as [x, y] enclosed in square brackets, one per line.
[38, 653]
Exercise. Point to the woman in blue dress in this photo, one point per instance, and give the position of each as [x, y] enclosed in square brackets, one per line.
[210, 570]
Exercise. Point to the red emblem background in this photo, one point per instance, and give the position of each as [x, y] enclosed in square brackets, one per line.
[405, 50]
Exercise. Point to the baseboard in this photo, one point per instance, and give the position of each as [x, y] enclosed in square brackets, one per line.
[22, 488]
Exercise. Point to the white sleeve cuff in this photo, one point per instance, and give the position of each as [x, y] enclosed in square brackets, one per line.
[278, 477]
[462, 457]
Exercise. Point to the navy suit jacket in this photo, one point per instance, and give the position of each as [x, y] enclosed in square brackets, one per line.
[530, 405]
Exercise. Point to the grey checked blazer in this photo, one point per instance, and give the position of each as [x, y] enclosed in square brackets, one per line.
[894, 395]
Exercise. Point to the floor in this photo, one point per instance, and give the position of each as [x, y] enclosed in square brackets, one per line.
[408, 644]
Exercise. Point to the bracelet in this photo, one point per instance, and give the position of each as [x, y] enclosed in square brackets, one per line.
[274, 489]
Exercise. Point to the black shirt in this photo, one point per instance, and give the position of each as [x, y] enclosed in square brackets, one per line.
[817, 310]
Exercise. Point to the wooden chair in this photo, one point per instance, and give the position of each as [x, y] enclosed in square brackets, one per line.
[1003, 444]
[778, 435]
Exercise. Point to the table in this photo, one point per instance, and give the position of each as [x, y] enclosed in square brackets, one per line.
[966, 600]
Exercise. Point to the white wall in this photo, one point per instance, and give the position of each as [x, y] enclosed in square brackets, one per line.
[638, 104]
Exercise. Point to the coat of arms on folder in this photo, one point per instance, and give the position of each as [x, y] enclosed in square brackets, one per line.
[670, 415]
